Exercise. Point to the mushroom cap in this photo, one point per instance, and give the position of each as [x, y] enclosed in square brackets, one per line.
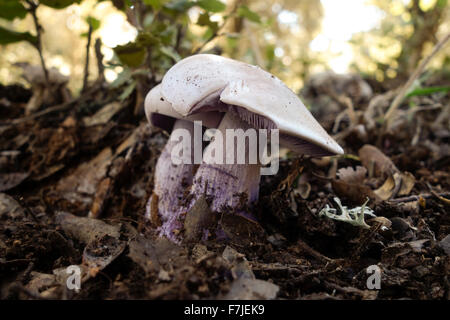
[189, 86]
[160, 113]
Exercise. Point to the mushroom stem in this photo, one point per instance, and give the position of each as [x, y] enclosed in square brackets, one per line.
[171, 181]
[233, 184]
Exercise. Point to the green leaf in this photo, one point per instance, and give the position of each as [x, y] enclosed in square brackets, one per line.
[180, 6]
[128, 91]
[427, 91]
[59, 4]
[121, 79]
[441, 4]
[131, 54]
[11, 9]
[171, 53]
[147, 39]
[212, 5]
[155, 4]
[9, 36]
[245, 12]
[94, 23]
[205, 20]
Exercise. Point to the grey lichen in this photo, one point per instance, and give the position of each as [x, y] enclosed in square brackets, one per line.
[353, 216]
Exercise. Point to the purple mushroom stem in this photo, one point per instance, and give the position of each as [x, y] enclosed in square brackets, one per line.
[223, 177]
[171, 180]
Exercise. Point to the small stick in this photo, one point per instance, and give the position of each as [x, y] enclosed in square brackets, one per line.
[32, 9]
[307, 249]
[99, 56]
[417, 197]
[217, 33]
[86, 66]
[399, 98]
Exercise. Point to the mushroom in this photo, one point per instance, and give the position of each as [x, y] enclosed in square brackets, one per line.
[228, 95]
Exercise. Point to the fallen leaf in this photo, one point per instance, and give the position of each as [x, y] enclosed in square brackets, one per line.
[240, 268]
[85, 229]
[100, 252]
[251, 289]
[11, 180]
[103, 115]
[376, 162]
[153, 254]
[351, 175]
[408, 182]
[10, 208]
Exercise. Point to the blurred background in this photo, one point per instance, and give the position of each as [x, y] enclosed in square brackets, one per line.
[379, 39]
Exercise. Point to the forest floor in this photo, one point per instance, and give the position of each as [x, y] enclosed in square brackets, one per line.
[75, 180]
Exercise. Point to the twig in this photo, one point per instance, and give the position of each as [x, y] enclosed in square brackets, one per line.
[99, 56]
[59, 107]
[307, 249]
[400, 96]
[32, 9]
[217, 33]
[417, 197]
[86, 66]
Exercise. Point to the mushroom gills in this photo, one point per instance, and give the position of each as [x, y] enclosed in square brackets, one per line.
[212, 103]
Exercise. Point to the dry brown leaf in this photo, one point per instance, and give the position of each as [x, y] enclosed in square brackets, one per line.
[100, 252]
[399, 184]
[11, 180]
[355, 193]
[376, 162]
[408, 182]
[351, 175]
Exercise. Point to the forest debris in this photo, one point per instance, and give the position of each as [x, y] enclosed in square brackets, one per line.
[303, 186]
[350, 185]
[314, 253]
[251, 289]
[11, 180]
[353, 216]
[40, 283]
[241, 230]
[81, 186]
[100, 252]
[351, 175]
[199, 219]
[418, 244]
[355, 193]
[103, 115]
[400, 225]
[152, 255]
[396, 184]
[384, 222]
[101, 196]
[245, 285]
[389, 188]
[417, 72]
[86, 177]
[85, 229]
[445, 244]
[51, 93]
[240, 268]
[376, 162]
[10, 208]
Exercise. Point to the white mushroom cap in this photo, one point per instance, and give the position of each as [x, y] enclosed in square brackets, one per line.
[160, 113]
[201, 77]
